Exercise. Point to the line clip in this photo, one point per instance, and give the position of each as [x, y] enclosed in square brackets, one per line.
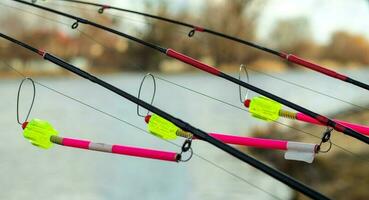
[185, 148]
[325, 138]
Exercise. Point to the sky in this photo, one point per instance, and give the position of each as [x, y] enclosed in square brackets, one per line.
[325, 16]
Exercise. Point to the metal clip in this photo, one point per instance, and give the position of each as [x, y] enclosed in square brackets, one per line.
[185, 148]
[325, 138]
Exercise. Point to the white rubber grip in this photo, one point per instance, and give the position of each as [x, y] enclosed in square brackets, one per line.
[300, 151]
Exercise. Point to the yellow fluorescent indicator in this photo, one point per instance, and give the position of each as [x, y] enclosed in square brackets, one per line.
[38, 132]
[162, 127]
[265, 108]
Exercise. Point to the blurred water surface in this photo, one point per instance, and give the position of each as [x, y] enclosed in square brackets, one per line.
[27, 172]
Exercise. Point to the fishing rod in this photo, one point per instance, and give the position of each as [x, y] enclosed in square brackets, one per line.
[207, 68]
[299, 151]
[289, 57]
[291, 182]
[41, 134]
[269, 110]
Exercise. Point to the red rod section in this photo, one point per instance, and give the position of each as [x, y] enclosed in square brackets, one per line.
[313, 66]
[251, 141]
[193, 62]
[357, 127]
[119, 149]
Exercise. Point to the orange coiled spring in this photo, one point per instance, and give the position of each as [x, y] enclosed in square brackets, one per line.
[182, 133]
[287, 114]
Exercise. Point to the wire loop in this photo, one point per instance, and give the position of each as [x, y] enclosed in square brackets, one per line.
[18, 97]
[75, 25]
[242, 66]
[139, 93]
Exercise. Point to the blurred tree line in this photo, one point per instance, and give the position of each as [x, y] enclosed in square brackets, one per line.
[238, 18]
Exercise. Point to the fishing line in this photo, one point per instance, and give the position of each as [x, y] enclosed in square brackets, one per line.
[143, 131]
[194, 91]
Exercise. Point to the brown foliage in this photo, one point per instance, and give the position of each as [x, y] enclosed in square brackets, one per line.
[345, 47]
